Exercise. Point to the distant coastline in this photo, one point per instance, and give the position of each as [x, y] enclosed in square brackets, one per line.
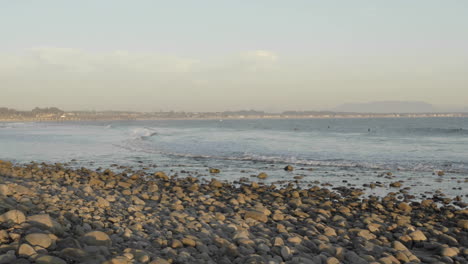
[57, 115]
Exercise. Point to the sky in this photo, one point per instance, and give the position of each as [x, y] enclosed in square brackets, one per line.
[216, 55]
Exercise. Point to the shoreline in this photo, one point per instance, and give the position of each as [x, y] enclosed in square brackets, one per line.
[86, 216]
[344, 116]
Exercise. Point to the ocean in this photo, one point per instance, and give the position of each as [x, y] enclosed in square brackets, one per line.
[330, 152]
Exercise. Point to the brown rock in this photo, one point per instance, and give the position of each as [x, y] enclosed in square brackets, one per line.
[13, 216]
[46, 222]
[418, 235]
[449, 252]
[97, 238]
[462, 224]
[161, 175]
[213, 170]
[38, 239]
[189, 242]
[256, 215]
[26, 250]
[405, 207]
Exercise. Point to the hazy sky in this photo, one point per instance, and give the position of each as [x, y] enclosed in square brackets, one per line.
[230, 55]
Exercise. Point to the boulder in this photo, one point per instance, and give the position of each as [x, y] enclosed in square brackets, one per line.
[449, 252]
[96, 238]
[44, 221]
[13, 216]
[8, 258]
[26, 250]
[418, 235]
[256, 215]
[38, 239]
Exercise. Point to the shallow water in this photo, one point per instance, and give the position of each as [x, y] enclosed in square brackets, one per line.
[334, 151]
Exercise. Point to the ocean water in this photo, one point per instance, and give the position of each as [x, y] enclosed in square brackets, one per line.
[335, 152]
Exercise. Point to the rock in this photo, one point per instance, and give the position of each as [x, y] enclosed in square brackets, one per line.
[103, 203]
[118, 260]
[463, 224]
[405, 207]
[440, 173]
[45, 259]
[74, 254]
[137, 200]
[26, 250]
[278, 217]
[354, 258]
[217, 222]
[328, 231]
[262, 175]
[418, 235]
[188, 242]
[215, 183]
[213, 170]
[176, 243]
[8, 258]
[426, 203]
[161, 175]
[286, 253]
[4, 190]
[46, 222]
[278, 242]
[366, 234]
[97, 238]
[13, 216]
[395, 184]
[289, 168]
[295, 240]
[449, 252]
[402, 257]
[159, 261]
[38, 239]
[88, 189]
[397, 245]
[256, 215]
[373, 227]
[332, 260]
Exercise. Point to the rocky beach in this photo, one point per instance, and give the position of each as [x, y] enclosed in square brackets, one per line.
[56, 214]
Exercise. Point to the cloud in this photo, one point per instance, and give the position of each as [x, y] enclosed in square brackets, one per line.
[260, 60]
[77, 61]
[263, 55]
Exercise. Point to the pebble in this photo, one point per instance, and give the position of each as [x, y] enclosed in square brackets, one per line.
[53, 214]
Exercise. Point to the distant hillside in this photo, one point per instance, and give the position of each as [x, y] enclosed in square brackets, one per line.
[387, 107]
